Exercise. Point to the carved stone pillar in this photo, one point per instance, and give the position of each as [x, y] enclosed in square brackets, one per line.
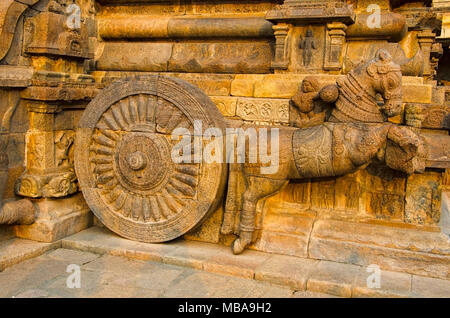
[49, 169]
[334, 44]
[281, 60]
[59, 90]
[426, 39]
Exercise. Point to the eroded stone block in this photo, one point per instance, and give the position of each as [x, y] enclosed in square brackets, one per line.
[220, 58]
[423, 198]
[135, 56]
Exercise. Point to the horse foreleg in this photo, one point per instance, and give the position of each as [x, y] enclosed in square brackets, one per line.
[232, 201]
[247, 223]
[257, 188]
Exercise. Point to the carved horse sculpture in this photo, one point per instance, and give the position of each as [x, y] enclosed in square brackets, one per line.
[356, 136]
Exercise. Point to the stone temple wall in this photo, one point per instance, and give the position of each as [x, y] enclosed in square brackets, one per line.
[181, 40]
[250, 57]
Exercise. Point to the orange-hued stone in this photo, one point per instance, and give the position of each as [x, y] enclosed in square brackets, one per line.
[353, 97]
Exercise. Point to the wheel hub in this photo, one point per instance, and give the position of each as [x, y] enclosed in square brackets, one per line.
[141, 162]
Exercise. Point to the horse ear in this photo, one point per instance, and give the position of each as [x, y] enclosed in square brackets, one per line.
[384, 55]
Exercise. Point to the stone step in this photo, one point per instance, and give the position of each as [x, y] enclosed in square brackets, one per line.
[46, 276]
[14, 251]
[301, 274]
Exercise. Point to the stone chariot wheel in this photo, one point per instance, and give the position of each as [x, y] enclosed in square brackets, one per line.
[124, 165]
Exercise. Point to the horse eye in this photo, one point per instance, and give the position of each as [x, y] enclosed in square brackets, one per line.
[391, 83]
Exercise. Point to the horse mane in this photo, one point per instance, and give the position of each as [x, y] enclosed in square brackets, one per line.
[355, 103]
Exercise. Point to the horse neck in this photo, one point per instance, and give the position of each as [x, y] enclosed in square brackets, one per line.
[357, 99]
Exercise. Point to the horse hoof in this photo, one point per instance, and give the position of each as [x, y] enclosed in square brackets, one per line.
[239, 246]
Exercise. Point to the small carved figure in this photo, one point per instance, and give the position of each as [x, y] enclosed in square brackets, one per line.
[307, 45]
[307, 108]
[63, 143]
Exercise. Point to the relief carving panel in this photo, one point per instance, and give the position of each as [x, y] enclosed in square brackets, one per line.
[221, 57]
[263, 110]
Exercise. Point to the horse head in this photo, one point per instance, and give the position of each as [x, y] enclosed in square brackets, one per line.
[387, 81]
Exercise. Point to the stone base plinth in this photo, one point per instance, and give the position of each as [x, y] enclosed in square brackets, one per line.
[300, 274]
[445, 213]
[6, 232]
[391, 248]
[57, 219]
[397, 249]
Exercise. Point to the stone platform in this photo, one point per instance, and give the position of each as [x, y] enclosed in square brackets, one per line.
[14, 251]
[299, 274]
[114, 276]
[117, 267]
